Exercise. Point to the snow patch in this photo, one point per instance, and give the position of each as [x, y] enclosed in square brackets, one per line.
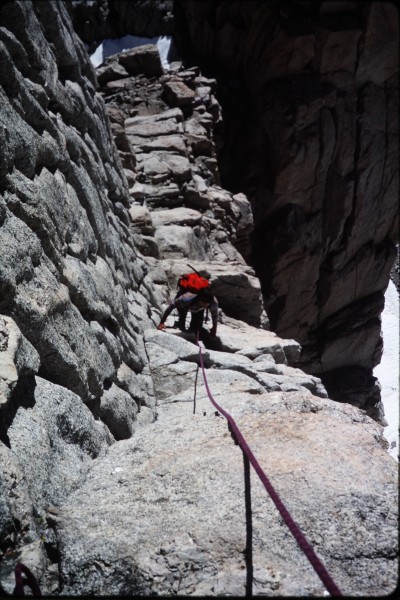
[387, 372]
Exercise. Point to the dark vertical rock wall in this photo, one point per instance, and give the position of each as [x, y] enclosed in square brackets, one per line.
[309, 93]
[100, 19]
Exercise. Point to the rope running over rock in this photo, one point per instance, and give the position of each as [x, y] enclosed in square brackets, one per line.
[291, 524]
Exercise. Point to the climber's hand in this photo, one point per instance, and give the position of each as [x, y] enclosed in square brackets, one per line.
[161, 327]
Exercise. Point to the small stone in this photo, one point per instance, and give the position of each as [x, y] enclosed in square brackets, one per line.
[176, 93]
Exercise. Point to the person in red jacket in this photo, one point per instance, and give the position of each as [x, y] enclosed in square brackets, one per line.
[196, 304]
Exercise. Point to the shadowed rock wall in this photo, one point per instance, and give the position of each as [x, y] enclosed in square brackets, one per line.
[101, 19]
[309, 94]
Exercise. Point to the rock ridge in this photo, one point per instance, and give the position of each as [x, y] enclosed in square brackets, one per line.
[110, 485]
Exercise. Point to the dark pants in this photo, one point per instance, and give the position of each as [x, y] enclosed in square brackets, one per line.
[182, 312]
[196, 320]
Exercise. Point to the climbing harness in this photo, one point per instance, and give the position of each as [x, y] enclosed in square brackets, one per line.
[316, 563]
[21, 581]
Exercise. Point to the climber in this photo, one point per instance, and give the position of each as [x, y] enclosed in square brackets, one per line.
[196, 304]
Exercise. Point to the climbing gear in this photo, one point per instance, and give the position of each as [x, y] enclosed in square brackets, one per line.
[21, 582]
[300, 538]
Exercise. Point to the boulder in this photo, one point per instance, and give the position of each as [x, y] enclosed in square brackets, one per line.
[177, 216]
[141, 220]
[144, 60]
[165, 143]
[176, 93]
[118, 411]
[151, 127]
[110, 72]
[54, 441]
[178, 241]
[18, 358]
[159, 166]
[147, 245]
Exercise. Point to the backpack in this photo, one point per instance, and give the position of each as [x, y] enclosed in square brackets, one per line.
[192, 282]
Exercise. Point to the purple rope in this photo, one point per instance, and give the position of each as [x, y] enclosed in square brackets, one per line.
[292, 525]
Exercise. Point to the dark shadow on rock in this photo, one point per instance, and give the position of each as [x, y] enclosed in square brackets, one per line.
[249, 528]
[23, 396]
[356, 386]
[209, 341]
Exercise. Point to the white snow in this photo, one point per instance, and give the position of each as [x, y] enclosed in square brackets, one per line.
[113, 46]
[387, 371]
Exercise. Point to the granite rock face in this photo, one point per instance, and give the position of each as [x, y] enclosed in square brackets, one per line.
[18, 359]
[70, 276]
[165, 130]
[111, 453]
[395, 274]
[310, 100]
[65, 277]
[189, 483]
